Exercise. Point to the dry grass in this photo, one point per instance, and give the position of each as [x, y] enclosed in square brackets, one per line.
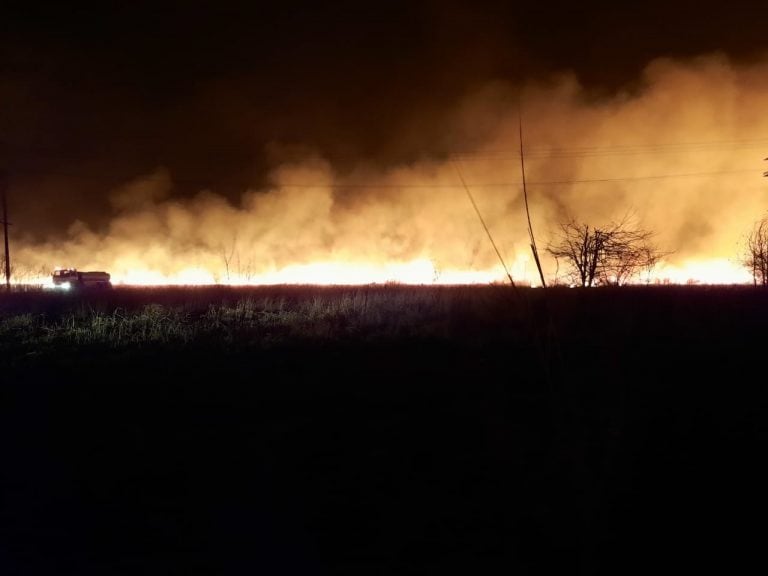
[134, 317]
[268, 316]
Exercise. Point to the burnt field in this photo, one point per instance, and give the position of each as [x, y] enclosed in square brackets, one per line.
[382, 430]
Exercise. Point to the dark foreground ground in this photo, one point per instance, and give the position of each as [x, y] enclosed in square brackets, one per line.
[385, 430]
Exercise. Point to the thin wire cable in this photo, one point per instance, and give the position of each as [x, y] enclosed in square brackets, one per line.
[97, 178]
[222, 148]
[619, 149]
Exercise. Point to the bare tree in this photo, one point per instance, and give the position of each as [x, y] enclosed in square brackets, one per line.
[756, 254]
[611, 255]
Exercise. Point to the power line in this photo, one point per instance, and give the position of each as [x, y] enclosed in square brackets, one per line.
[226, 148]
[620, 150]
[380, 185]
[637, 178]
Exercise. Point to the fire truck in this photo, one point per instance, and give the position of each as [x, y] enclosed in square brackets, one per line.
[72, 278]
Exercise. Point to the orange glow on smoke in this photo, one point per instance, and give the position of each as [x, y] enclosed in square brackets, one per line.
[684, 156]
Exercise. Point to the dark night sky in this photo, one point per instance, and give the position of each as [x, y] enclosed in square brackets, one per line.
[95, 94]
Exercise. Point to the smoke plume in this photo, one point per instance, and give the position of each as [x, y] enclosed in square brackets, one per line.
[681, 152]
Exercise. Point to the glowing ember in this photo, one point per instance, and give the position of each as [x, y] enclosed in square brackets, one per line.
[719, 271]
[416, 272]
[186, 277]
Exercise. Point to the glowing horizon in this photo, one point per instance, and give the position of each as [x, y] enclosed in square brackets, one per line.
[418, 272]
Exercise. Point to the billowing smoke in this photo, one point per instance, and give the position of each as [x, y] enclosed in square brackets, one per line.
[681, 152]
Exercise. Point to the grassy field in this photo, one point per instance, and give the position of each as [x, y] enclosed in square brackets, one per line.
[382, 430]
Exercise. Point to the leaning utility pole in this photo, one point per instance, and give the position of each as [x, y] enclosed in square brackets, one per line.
[525, 197]
[5, 232]
[485, 226]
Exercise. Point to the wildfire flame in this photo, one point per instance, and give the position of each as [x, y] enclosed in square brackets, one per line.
[685, 155]
[416, 272]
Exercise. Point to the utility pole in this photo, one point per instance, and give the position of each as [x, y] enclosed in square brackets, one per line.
[485, 226]
[3, 185]
[525, 196]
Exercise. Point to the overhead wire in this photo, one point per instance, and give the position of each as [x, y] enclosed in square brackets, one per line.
[511, 153]
[403, 185]
[507, 155]
[619, 149]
